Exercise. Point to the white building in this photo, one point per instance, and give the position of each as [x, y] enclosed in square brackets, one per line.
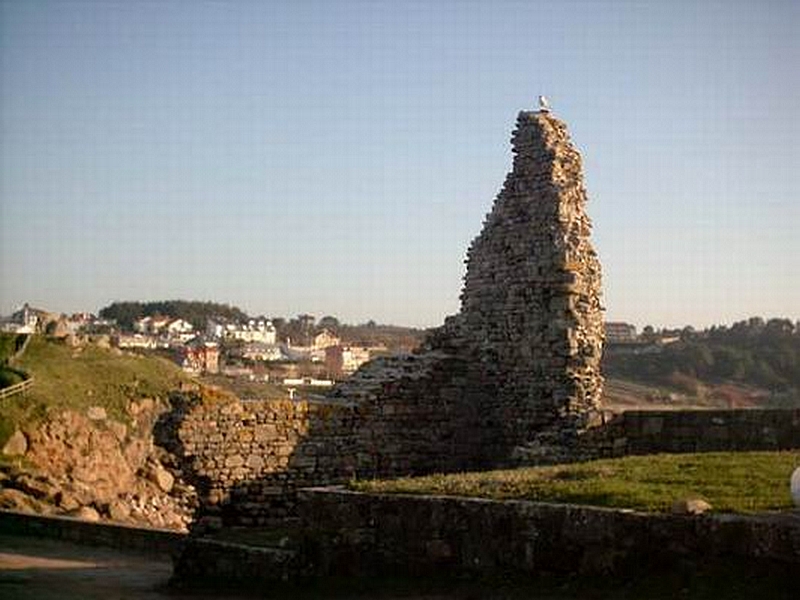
[24, 320]
[260, 351]
[255, 330]
[152, 325]
[137, 340]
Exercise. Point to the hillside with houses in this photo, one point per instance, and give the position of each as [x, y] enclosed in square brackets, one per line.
[221, 342]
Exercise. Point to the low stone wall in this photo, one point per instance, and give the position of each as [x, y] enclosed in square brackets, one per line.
[351, 533]
[650, 432]
[247, 459]
[406, 417]
[208, 563]
[152, 541]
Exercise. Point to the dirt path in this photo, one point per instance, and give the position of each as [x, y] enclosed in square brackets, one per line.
[43, 569]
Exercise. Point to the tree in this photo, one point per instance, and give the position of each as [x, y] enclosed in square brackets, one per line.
[329, 322]
[197, 313]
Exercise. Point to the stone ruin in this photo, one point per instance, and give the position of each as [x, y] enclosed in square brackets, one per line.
[513, 378]
[531, 318]
[530, 331]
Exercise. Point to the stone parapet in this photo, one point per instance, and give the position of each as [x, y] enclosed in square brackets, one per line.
[373, 534]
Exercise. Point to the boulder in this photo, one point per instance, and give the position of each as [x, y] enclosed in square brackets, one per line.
[690, 506]
[118, 429]
[86, 513]
[96, 413]
[39, 487]
[11, 499]
[118, 510]
[17, 444]
[161, 477]
[67, 502]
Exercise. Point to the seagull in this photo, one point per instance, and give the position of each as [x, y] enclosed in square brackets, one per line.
[544, 105]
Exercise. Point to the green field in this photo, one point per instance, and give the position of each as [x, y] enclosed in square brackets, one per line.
[77, 378]
[730, 482]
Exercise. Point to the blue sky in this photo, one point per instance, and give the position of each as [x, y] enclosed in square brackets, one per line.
[338, 157]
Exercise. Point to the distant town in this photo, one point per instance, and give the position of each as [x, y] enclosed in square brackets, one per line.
[299, 352]
[738, 365]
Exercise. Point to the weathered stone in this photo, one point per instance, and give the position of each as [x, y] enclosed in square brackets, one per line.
[118, 429]
[119, 511]
[96, 413]
[255, 462]
[517, 368]
[86, 513]
[40, 487]
[67, 502]
[690, 506]
[12, 499]
[161, 477]
[234, 461]
[17, 444]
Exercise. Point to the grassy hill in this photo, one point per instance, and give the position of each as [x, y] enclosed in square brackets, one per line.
[77, 378]
[751, 363]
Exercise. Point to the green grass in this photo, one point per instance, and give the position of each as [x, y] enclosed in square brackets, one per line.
[9, 342]
[77, 378]
[9, 377]
[246, 389]
[730, 482]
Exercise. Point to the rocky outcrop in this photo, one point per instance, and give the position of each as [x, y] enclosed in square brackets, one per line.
[91, 466]
[17, 444]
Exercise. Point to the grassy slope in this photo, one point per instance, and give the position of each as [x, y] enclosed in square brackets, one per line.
[79, 378]
[246, 389]
[731, 482]
[8, 346]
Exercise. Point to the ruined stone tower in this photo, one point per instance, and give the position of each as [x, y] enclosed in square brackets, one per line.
[531, 298]
[515, 375]
[513, 378]
[531, 318]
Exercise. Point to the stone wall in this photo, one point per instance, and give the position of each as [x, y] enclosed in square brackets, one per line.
[650, 432]
[531, 318]
[520, 363]
[247, 459]
[348, 534]
[150, 540]
[372, 534]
